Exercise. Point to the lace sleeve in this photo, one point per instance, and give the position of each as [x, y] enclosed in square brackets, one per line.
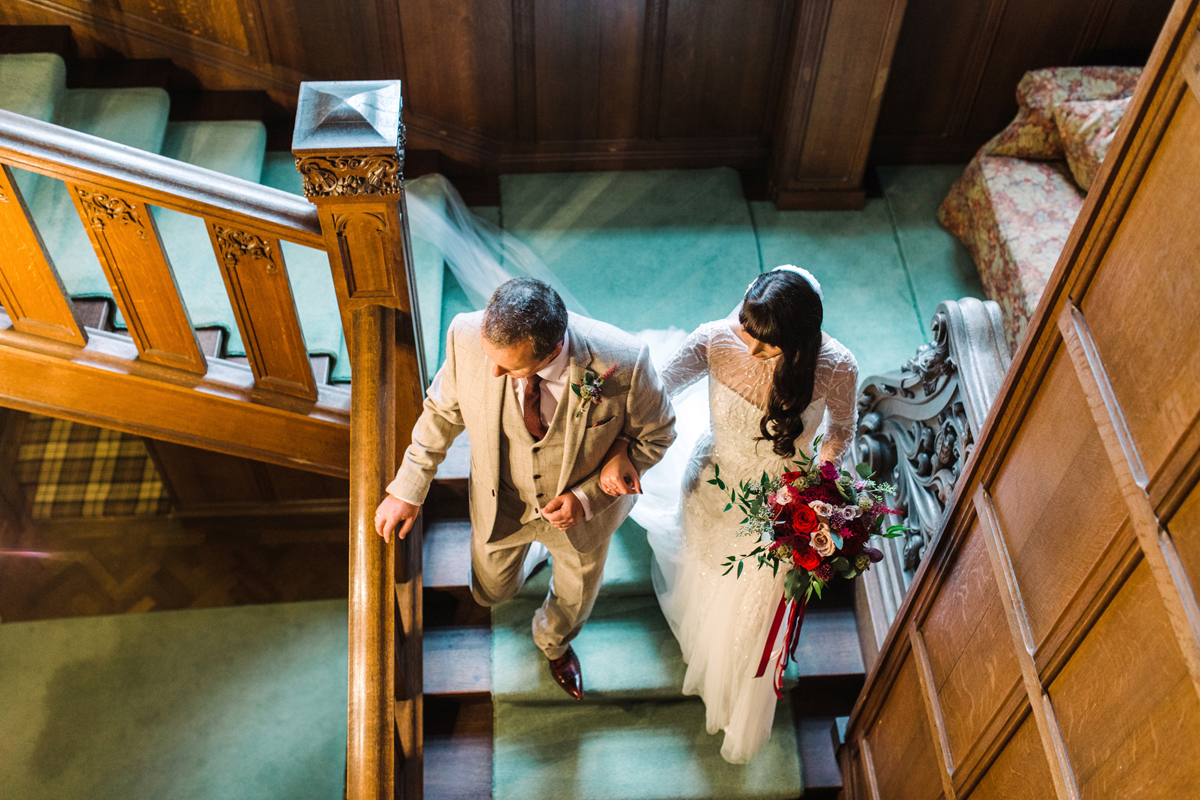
[841, 404]
[689, 364]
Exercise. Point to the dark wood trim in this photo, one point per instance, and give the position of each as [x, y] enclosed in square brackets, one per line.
[524, 70]
[821, 200]
[654, 39]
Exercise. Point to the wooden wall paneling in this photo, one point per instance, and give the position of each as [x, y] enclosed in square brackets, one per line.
[459, 66]
[326, 39]
[1177, 593]
[957, 65]
[256, 280]
[1058, 518]
[831, 107]
[1020, 772]
[1126, 702]
[1125, 33]
[933, 710]
[1184, 530]
[588, 68]
[1031, 34]
[1061, 772]
[972, 666]
[941, 53]
[716, 71]
[903, 756]
[216, 21]
[31, 290]
[654, 42]
[1153, 368]
[126, 240]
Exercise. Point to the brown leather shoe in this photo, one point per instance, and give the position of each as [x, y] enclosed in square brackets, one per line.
[568, 674]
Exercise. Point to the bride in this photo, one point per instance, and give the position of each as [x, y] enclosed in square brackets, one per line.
[776, 381]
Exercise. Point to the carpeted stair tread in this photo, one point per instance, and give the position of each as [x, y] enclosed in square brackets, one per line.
[446, 553]
[457, 659]
[626, 572]
[133, 117]
[633, 751]
[818, 756]
[828, 645]
[307, 268]
[626, 651]
[31, 84]
[234, 148]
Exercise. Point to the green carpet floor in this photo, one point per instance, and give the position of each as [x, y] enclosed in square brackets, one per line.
[246, 702]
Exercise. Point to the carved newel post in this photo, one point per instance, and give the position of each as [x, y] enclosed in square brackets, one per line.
[349, 148]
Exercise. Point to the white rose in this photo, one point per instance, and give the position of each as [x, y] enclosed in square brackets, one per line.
[822, 542]
[822, 508]
[850, 512]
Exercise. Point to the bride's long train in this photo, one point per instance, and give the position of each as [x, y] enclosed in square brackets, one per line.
[481, 257]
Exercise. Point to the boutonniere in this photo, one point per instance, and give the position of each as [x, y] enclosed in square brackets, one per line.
[591, 388]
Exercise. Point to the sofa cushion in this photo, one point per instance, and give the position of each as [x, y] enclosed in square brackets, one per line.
[1087, 128]
[1033, 134]
[1014, 216]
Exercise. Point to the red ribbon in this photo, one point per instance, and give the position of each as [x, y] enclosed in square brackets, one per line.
[791, 639]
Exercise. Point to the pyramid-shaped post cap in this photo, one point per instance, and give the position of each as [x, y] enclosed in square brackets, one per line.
[348, 116]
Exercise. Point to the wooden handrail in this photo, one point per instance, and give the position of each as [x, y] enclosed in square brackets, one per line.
[72, 156]
[109, 382]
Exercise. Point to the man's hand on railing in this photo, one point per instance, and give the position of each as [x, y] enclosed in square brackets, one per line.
[393, 511]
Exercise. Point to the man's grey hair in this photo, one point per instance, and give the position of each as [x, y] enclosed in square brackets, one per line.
[525, 309]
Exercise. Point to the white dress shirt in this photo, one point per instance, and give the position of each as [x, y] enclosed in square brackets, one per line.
[554, 382]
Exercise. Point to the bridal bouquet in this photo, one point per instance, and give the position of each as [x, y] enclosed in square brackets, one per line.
[815, 523]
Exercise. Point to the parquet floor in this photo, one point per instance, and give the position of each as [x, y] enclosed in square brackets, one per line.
[66, 568]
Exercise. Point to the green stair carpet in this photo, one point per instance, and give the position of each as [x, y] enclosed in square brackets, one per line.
[632, 751]
[246, 702]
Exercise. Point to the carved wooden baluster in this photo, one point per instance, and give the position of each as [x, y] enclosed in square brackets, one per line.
[349, 149]
[30, 289]
[257, 282]
[127, 243]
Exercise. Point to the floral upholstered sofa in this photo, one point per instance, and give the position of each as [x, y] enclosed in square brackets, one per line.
[1017, 200]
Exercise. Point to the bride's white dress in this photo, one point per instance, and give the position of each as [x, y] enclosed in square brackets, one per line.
[722, 622]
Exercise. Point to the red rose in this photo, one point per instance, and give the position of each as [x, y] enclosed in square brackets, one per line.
[808, 559]
[804, 519]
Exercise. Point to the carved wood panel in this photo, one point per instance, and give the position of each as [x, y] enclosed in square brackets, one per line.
[257, 282]
[1099, 597]
[126, 240]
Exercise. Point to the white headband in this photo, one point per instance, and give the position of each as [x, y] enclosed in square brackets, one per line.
[808, 276]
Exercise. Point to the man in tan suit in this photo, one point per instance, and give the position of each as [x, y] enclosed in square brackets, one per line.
[516, 378]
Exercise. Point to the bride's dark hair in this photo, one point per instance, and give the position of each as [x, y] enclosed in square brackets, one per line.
[783, 310]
